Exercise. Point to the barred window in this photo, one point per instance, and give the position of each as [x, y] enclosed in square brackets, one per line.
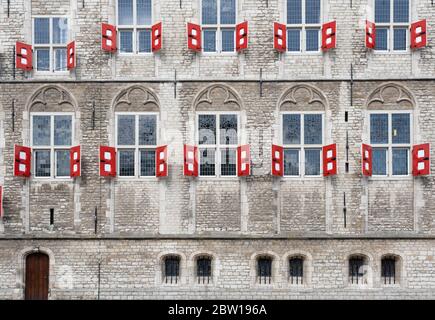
[50, 36]
[171, 272]
[264, 270]
[302, 141]
[303, 25]
[203, 269]
[388, 270]
[134, 25]
[390, 137]
[218, 141]
[358, 270]
[51, 140]
[136, 141]
[218, 18]
[296, 270]
[392, 24]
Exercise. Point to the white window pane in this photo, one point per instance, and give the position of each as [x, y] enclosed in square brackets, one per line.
[228, 162]
[381, 39]
[43, 59]
[228, 11]
[312, 36]
[291, 162]
[42, 31]
[291, 128]
[60, 30]
[126, 41]
[207, 129]
[207, 162]
[62, 163]
[400, 161]
[228, 40]
[125, 12]
[147, 130]
[60, 60]
[294, 40]
[209, 36]
[294, 11]
[126, 130]
[42, 163]
[379, 128]
[312, 11]
[209, 11]
[228, 129]
[379, 161]
[400, 38]
[313, 129]
[401, 10]
[144, 12]
[41, 130]
[147, 162]
[144, 37]
[382, 11]
[62, 130]
[400, 129]
[312, 162]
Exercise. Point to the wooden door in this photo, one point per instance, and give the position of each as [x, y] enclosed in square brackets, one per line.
[37, 272]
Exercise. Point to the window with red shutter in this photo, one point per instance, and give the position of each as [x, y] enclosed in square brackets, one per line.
[23, 56]
[370, 35]
[367, 160]
[190, 160]
[71, 55]
[193, 36]
[156, 37]
[22, 161]
[329, 35]
[162, 161]
[329, 160]
[279, 37]
[242, 36]
[108, 33]
[418, 34]
[243, 160]
[75, 158]
[277, 160]
[107, 161]
[421, 159]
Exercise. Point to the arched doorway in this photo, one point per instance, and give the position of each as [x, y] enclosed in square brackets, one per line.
[37, 275]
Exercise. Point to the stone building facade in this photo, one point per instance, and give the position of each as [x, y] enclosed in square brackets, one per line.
[110, 238]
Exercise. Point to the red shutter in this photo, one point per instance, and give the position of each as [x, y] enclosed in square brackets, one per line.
[421, 159]
[370, 35]
[108, 33]
[190, 160]
[279, 37]
[74, 161]
[71, 55]
[418, 34]
[23, 56]
[328, 35]
[156, 37]
[242, 36]
[1, 201]
[367, 162]
[107, 161]
[277, 160]
[22, 161]
[162, 161]
[243, 160]
[329, 160]
[193, 36]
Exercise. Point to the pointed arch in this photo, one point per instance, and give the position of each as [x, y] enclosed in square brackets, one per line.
[391, 96]
[217, 97]
[136, 98]
[302, 97]
[52, 98]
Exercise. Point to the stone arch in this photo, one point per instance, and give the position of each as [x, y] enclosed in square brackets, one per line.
[307, 265]
[217, 97]
[368, 262]
[52, 98]
[136, 98]
[276, 277]
[215, 265]
[391, 96]
[159, 268]
[302, 97]
[400, 266]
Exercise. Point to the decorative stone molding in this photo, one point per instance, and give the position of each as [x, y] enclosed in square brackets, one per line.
[136, 98]
[52, 98]
[302, 97]
[218, 97]
[390, 96]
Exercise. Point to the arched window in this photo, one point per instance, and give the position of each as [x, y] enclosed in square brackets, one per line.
[390, 270]
[264, 270]
[204, 269]
[296, 270]
[171, 270]
[358, 270]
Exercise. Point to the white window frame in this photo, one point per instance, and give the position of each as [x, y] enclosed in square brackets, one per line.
[51, 46]
[302, 146]
[389, 146]
[217, 146]
[135, 28]
[136, 147]
[52, 148]
[218, 27]
[390, 26]
[303, 27]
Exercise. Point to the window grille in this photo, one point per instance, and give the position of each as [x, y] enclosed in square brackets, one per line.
[172, 269]
[264, 270]
[388, 272]
[296, 270]
[357, 270]
[204, 274]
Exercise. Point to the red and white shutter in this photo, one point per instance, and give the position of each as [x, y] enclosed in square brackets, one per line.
[1, 201]
[367, 162]
[156, 37]
[329, 160]
[107, 161]
[279, 37]
[108, 34]
[277, 160]
[329, 35]
[23, 56]
[243, 160]
[242, 36]
[370, 35]
[421, 159]
[418, 34]
[193, 36]
[71, 55]
[22, 161]
[162, 161]
[74, 161]
[190, 160]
